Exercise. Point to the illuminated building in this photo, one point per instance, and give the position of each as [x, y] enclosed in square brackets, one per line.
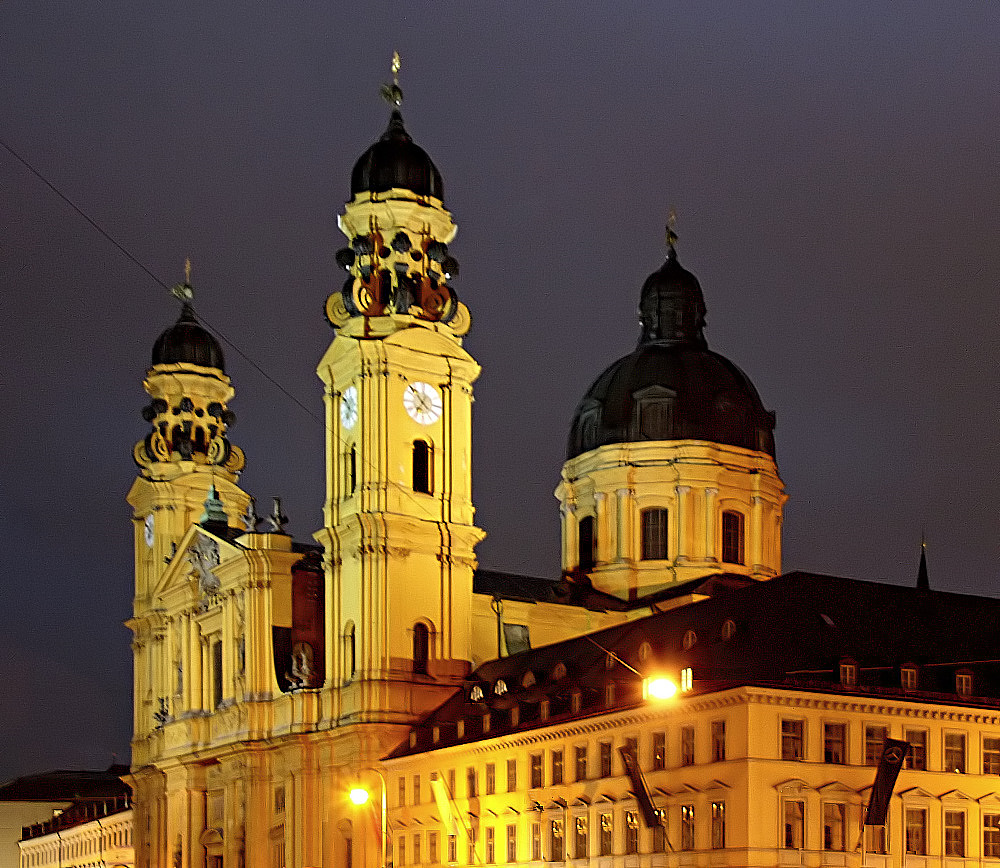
[272, 676]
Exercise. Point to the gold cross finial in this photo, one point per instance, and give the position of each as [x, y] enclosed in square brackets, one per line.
[392, 93]
[671, 223]
[182, 291]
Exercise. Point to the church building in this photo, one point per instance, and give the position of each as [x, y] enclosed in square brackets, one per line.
[485, 714]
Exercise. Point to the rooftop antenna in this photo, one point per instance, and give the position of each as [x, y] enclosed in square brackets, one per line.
[392, 93]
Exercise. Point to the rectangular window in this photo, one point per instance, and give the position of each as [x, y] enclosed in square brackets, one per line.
[718, 741]
[216, 674]
[908, 678]
[991, 755]
[718, 825]
[471, 783]
[416, 848]
[659, 839]
[916, 756]
[401, 849]
[848, 674]
[687, 679]
[587, 543]
[535, 761]
[916, 831]
[607, 829]
[557, 767]
[491, 778]
[453, 848]
[632, 746]
[687, 745]
[432, 847]
[963, 684]
[402, 791]
[451, 782]
[954, 833]
[631, 833]
[877, 838]
[833, 826]
[795, 812]
[732, 537]
[416, 789]
[580, 849]
[536, 842]
[791, 739]
[659, 751]
[654, 534]
[991, 836]
[511, 843]
[472, 846]
[557, 851]
[874, 740]
[687, 827]
[835, 743]
[511, 776]
[490, 845]
[954, 752]
[580, 761]
[605, 754]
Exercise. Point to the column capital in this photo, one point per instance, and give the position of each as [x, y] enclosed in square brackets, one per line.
[682, 489]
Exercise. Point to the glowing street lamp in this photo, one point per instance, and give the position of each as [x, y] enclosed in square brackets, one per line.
[359, 795]
[658, 687]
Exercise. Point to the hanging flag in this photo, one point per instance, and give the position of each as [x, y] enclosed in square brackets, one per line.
[650, 816]
[445, 805]
[893, 754]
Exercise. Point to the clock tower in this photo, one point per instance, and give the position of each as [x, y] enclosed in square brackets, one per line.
[398, 532]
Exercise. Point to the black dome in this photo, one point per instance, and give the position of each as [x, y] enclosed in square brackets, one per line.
[395, 161]
[187, 341]
[672, 387]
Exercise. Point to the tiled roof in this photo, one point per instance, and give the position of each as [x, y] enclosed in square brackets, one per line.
[67, 785]
[793, 631]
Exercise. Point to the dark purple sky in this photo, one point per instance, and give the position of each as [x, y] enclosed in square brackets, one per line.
[835, 173]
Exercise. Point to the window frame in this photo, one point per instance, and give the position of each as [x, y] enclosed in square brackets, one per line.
[792, 738]
[654, 536]
[829, 756]
[732, 537]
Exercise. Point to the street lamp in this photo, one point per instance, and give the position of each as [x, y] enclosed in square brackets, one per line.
[359, 795]
[657, 687]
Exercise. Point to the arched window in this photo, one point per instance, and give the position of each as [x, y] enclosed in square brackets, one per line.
[654, 534]
[732, 537]
[587, 541]
[421, 646]
[423, 466]
[350, 651]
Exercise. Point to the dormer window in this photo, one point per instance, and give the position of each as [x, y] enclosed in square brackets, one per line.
[963, 683]
[848, 673]
[654, 413]
[689, 640]
[908, 678]
[728, 630]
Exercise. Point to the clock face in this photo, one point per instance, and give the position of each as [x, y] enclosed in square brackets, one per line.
[147, 531]
[423, 402]
[349, 407]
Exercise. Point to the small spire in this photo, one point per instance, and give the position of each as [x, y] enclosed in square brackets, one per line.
[392, 93]
[277, 520]
[214, 513]
[923, 583]
[183, 291]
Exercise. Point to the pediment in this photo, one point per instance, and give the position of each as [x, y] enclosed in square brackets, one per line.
[916, 793]
[989, 798]
[957, 795]
[191, 572]
[793, 785]
[835, 787]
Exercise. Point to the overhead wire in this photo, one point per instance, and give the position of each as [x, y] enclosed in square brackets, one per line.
[156, 279]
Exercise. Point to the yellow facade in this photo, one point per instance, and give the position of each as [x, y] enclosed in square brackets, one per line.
[99, 843]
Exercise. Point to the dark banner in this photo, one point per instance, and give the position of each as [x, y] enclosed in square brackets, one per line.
[893, 754]
[649, 814]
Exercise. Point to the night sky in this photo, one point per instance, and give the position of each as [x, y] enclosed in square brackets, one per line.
[834, 168]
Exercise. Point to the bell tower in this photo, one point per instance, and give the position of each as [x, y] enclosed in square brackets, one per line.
[398, 530]
[185, 456]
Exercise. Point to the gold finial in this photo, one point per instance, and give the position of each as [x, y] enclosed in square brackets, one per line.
[671, 234]
[392, 93]
[183, 291]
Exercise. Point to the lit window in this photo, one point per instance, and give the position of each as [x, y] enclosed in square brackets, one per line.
[631, 833]
[732, 537]
[607, 828]
[848, 674]
[689, 640]
[536, 770]
[605, 756]
[687, 827]
[511, 843]
[877, 837]
[511, 776]
[453, 848]
[491, 778]
[557, 767]
[490, 845]
[908, 678]
[654, 534]
[686, 679]
[581, 762]
[580, 849]
[557, 850]
[718, 825]
[659, 751]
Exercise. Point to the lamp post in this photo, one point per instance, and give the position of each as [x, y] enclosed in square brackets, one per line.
[359, 795]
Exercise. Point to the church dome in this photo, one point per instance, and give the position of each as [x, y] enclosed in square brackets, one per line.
[395, 161]
[672, 387]
[187, 341]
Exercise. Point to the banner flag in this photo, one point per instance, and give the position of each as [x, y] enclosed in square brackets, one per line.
[893, 754]
[650, 815]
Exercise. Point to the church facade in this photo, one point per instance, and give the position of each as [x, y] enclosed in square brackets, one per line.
[488, 710]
